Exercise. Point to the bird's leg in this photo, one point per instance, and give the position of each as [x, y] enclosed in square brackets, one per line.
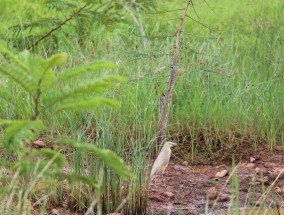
[163, 177]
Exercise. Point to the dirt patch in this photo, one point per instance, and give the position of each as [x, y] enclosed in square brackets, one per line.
[188, 189]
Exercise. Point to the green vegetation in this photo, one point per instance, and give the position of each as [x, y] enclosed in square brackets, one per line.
[36, 78]
[228, 94]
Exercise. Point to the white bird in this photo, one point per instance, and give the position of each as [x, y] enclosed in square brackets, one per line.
[162, 160]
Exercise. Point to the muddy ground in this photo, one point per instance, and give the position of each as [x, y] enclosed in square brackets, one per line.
[188, 188]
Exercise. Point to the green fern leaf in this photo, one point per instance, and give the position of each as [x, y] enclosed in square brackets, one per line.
[22, 78]
[56, 59]
[35, 167]
[42, 75]
[14, 58]
[71, 73]
[59, 159]
[36, 24]
[7, 96]
[89, 103]
[109, 157]
[18, 131]
[86, 89]
[60, 5]
[31, 72]
[76, 177]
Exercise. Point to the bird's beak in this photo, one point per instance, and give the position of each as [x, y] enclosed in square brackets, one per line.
[173, 144]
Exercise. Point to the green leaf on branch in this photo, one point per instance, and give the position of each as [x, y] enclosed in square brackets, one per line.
[57, 59]
[76, 177]
[7, 96]
[58, 158]
[74, 72]
[13, 57]
[29, 71]
[89, 104]
[107, 156]
[22, 78]
[18, 131]
[40, 69]
[86, 89]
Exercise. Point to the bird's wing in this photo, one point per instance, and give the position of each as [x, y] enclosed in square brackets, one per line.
[155, 168]
[161, 161]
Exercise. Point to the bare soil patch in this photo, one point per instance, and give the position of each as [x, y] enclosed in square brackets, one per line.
[187, 186]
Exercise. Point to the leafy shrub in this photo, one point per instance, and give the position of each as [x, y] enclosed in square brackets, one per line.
[31, 167]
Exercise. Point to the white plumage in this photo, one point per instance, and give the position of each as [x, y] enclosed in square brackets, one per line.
[162, 160]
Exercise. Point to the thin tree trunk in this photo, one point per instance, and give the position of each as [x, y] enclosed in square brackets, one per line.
[166, 102]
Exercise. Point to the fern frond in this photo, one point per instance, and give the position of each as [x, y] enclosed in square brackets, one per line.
[36, 24]
[86, 89]
[59, 160]
[13, 57]
[7, 96]
[89, 103]
[146, 5]
[76, 177]
[28, 167]
[57, 59]
[22, 78]
[28, 70]
[59, 5]
[42, 74]
[71, 73]
[18, 131]
[107, 156]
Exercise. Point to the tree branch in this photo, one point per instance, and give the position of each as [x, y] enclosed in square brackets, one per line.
[57, 27]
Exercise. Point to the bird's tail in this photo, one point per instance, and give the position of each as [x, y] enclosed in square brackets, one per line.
[152, 175]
